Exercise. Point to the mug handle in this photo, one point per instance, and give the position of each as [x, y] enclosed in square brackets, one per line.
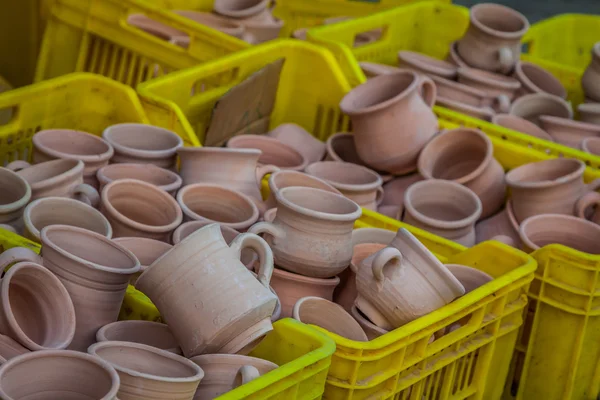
[264, 170]
[265, 255]
[428, 90]
[382, 258]
[18, 254]
[506, 58]
[247, 373]
[268, 227]
[379, 196]
[8, 228]
[18, 165]
[86, 194]
[585, 201]
[503, 103]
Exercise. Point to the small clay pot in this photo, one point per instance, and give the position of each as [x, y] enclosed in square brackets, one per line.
[535, 79]
[521, 125]
[291, 287]
[424, 64]
[298, 138]
[591, 145]
[274, 152]
[136, 208]
[445, 208]
[502, 88]
[149, 333]
[10, 349]
[545, 229]
[503, 224]
[162, 178]
[372, 70]
[591, 76]
[356, 182]
[453, 56]
[146, 250]
[282, 179]
[470, 278]
[148, 372]
[143, 144]
[483, 113]
[532, 106]
[225, 372]
[225, 25]
[589, 112]
[15, 195]
[466, 156]
[372, 330]
[461, 93]
[214, 203]
[329, 316]
[568, 132]
[58, 371]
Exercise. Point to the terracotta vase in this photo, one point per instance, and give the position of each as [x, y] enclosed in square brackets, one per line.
[225, 372]
[14, 196]
[73, 145]
[453, 56]
[149, 333]
[356, 182]
[197, 303]
[57, 178]
[309, 219]
[298, 138]
[372, 70]
[136, 208]
[162, 178]
[483, 113]
[470, 278]
[402, 282]
[502, 224]
[60, 211]
[145, 250]
[329, 316]
[143, 144]
[371, 330]
[274, 152]
[591, 76]
[568, 132]
[461, 93]
[545, 229]
[589, 112]
[9, 349]
[493, 40]
[466, 156]
[503, 89]
[424, 64]
[553, 186]
[535, 79]
[591, 145]
[214, 21]
[282, 179]
[94, 270]
[521, 125]
[214, 203]
[392, 120]
[444, 208]
[532, 106]
[291, 287]
[69, 374]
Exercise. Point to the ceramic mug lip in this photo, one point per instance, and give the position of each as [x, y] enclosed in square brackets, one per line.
[489, 78]
[569, 123]
[104, 156]
[588, 143]
[577, 170]
[360, 318]
[157, 246]
[546, 98]
[235, 141]
[105, 179]
[109, 133]
[101, 333]
[332, 139]
[592, 108]
[21, 202]
[284, 201]
[503, 34]
[273, 181]
[177, 233]
[523, 76]
[316, 169]
[198, 372]
[560, 217]
[334, 281]
[76, 169]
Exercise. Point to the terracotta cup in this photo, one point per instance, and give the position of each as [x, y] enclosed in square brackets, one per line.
[591, 76]
[61, 211]
[71, 374]
[500, 89]
[358, 183]
[143, 144]
[493, 40]
[532, 106]
[341, 147]
[164, 179]
[392, 120]
[545, 229]
[424, 64]
[552, 186]
[329, 316]
[149, 333]
[225, 372]
[94, 270]
[568, 132]
[535, 79]
[591, 145]
[273, 151]
[466, 156]
[57, 178]
[73, 145]
[282, 179]
[145, 250]
[136, 208]
[309, 219]
[35, 308]
[14, 196]
[521, 125]
[371, 330]
[197, 302]
[589, 112]
[298, 138]
[445, 208]
[147, 372]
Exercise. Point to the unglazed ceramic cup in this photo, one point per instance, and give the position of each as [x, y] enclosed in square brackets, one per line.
[282, 179]
[532, 106]
[14, 196]
[274, 152]
[499, 88]
[545, 229]
[568, 132]
[372, 330]
[163, 178]
[536, 79]
[150, 333]
[503, 225]
[146, 251]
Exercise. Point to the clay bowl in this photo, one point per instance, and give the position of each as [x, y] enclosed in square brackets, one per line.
[149, 333]
[544, 229]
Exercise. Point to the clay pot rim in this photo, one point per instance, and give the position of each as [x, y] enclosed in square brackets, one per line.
[499, 119]
[65, 354]
[377, 181]
[451, 185]
[101, 333]
[108, 135]
[22, 202]
[233, 359]
[585, 144]
[205, 18]
[240, 225]
[490, 31]
[329, 144]
[176, 181]
[299, 167]
[542, 96]
[592, 108]
[351, 216]
[281, 273]
[568, 219]
[95, 158]
[355, 313]
[369, 232]
[550, 120]
[199, 373]
[274, 189]
[426, 63]
[575, 174]
[70, 202]
[218, 150]
[486, 112]
[157, 244]
[439, 81]
[131, 183]
[76, 169]
[244, 13]
[489, 78]
[527, 82]
[201, 224]
[90, 264]
[471, 271]
[511, 215]
[455, 57]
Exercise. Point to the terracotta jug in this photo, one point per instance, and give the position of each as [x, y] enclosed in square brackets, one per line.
[282, 179]
[502, 89]
[196, 302]
[469, 277]
[371, 330]
[10, 349]
[532, 106]
[145, 250]
[535, 79]
[393, 191]
[15, 195]
[273, 151]
[73, 145]
[589, 112]
[444, 208]
[484, 113]
[402, 282]
[461, 93]
[358, 183]
[372, 70]
[162, 178]
[552, 186]
[136, 208]
[392, 120]
[147, 372]
[545, 229]
[329, 316]
[521, 125]
[57, 178]
[591, 145]
[591, 76]
[94, 270]
[493, 40]
[60, 211]
[568, 132]
[466, 156]
[298, 138]
[309, 219]
[149, 333]
[75, 375]
[225, 372]
[424, 64]
[35, 308]
[214, 21]
[502, 224]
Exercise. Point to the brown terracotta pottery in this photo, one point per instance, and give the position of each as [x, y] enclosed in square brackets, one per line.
[470, 278]
[372, 70]
[591, 145]
[532, 106]
[466, 156]
[589, 112]
[424, 64]
[535, 79]
[149, 333]
[298, 138]
[544, 229]
[484, 113]
[340, 147]
[240, 9]
[274, 152]
[461, 93]
[591, 76]
[568, 132]
[453, 56]
[392, 120]
[521, 125]
[14, 196]
[164, 179]
[60, 374]
[372, 330]
[145, 250]
[282, 179]
[136, 208]
[502, 224]
[496, 86]
[10, 349]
